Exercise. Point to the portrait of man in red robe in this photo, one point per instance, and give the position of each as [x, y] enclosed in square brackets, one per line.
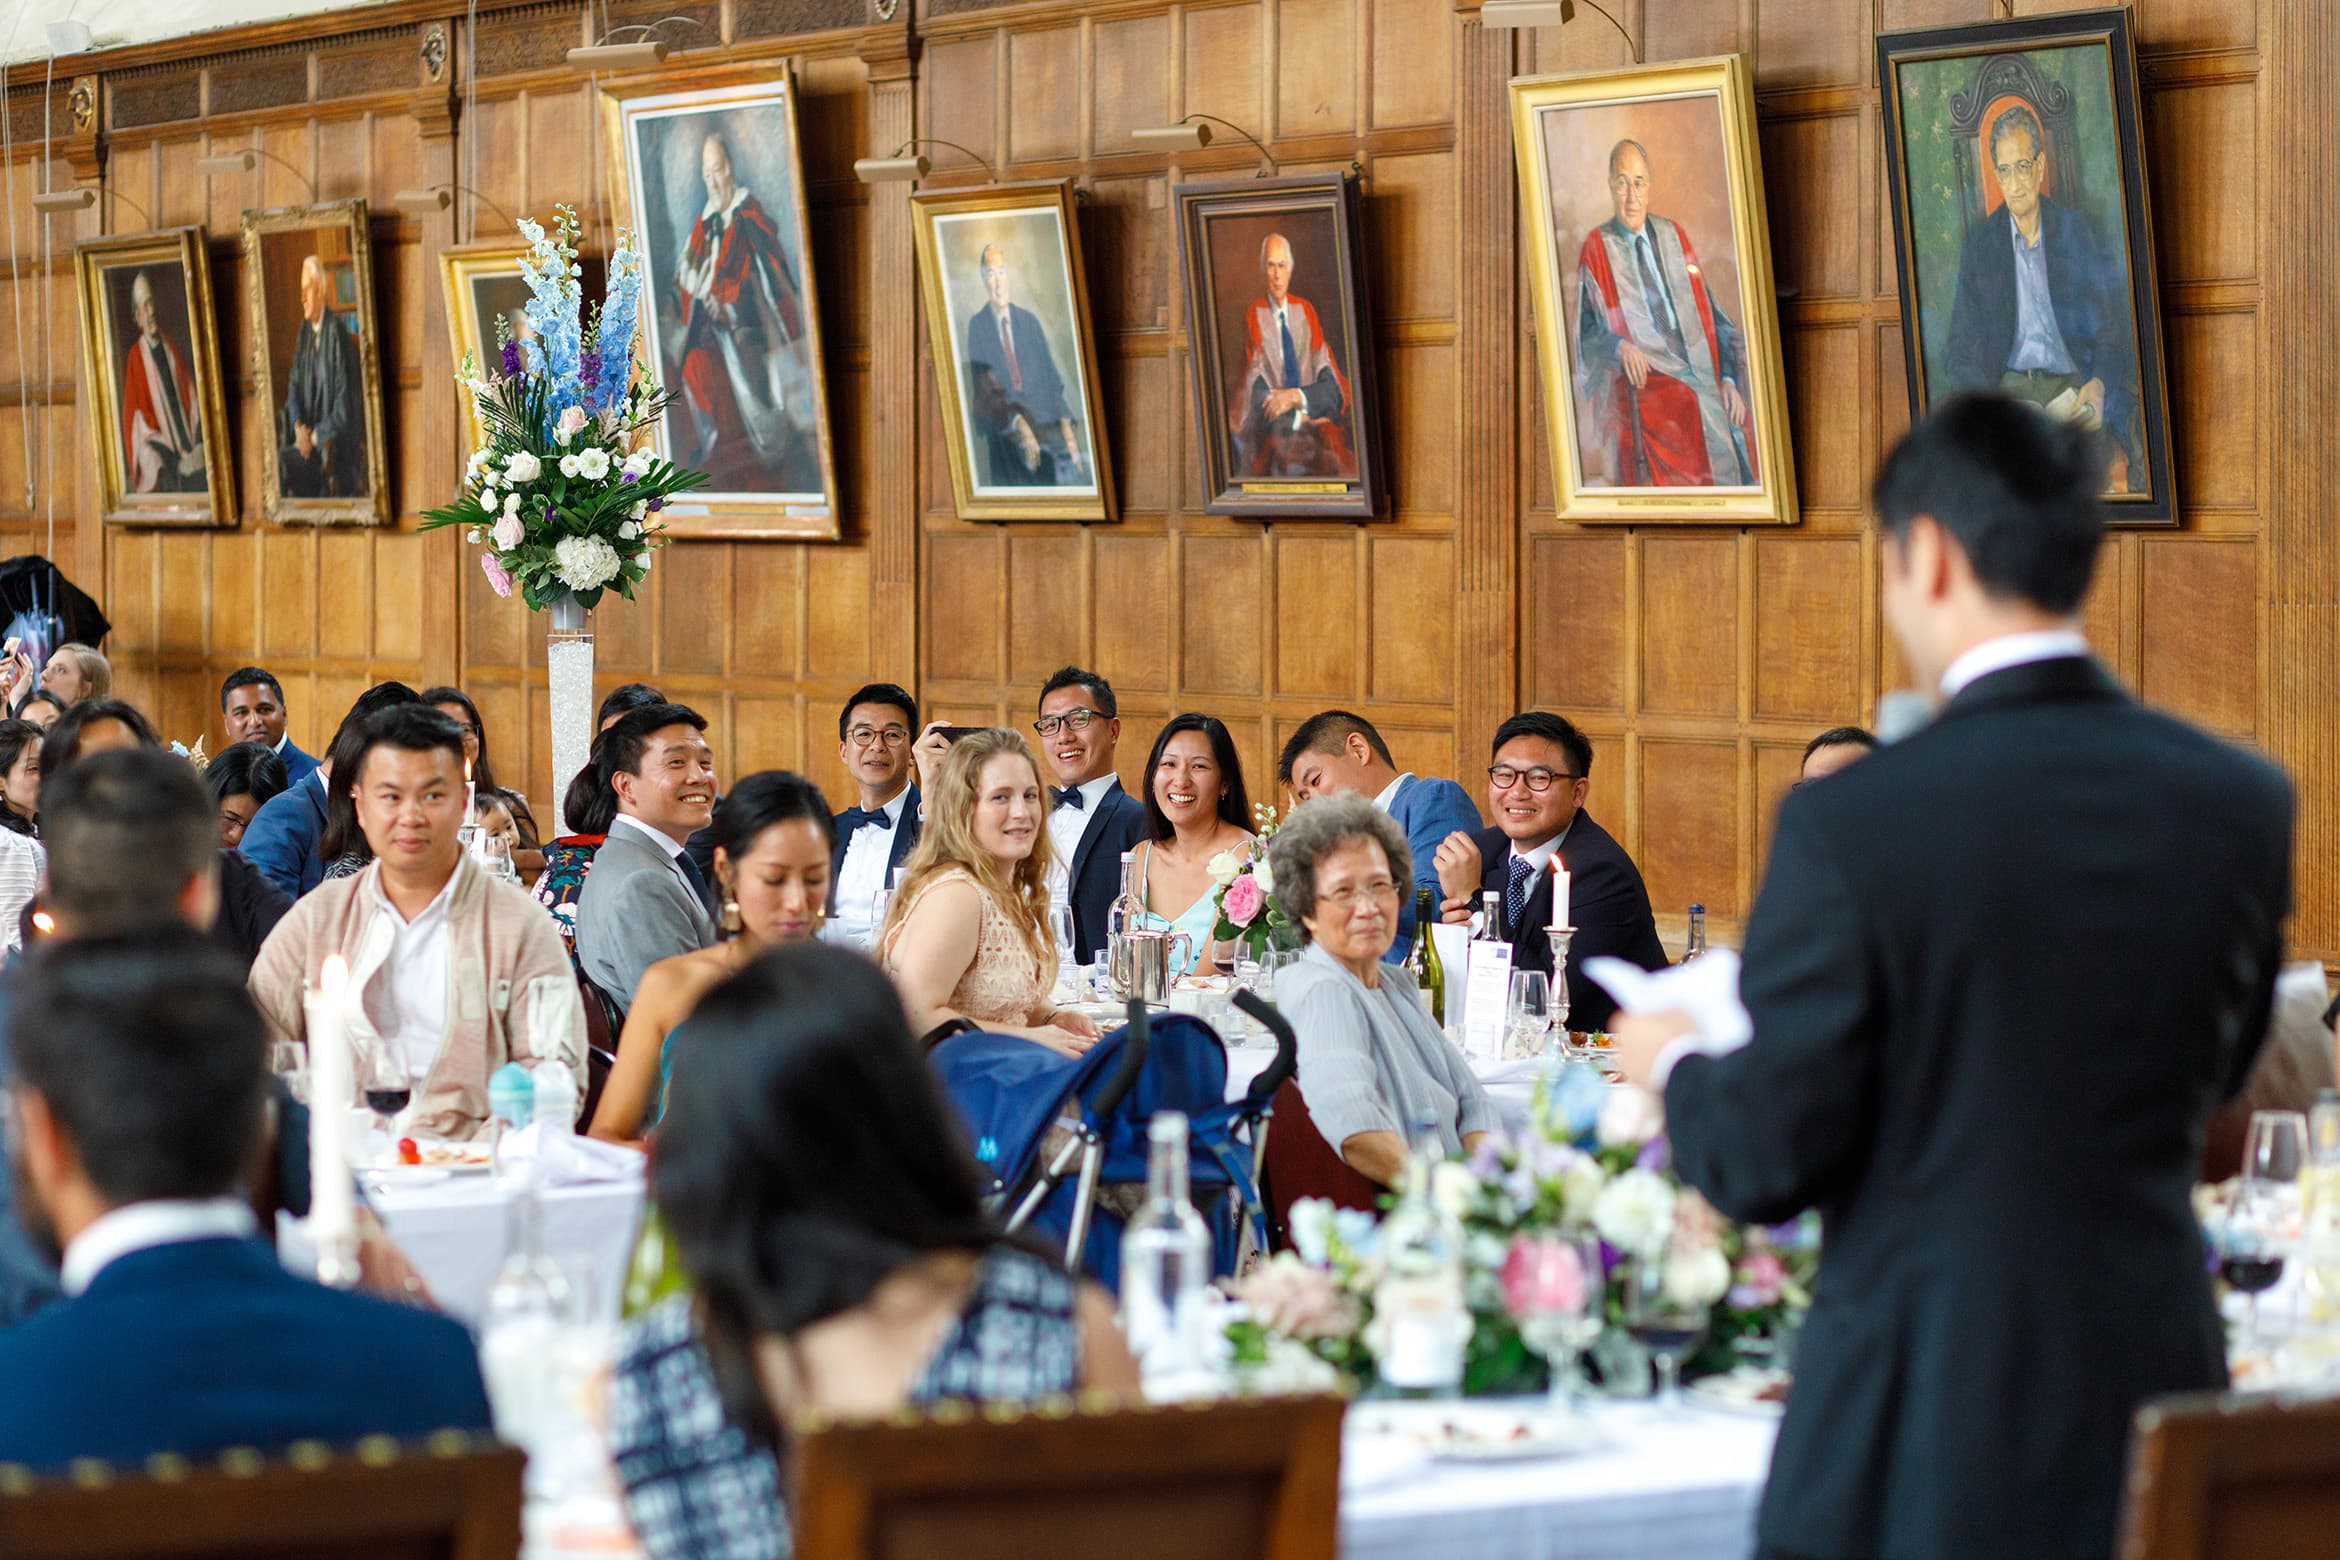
[1290, 411]
[162, 418]
[1661, 369]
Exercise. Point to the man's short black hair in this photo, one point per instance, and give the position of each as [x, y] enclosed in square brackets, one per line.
[1078, 677]
[1840, 736]
[1328, 731]
[879, 693]
[1553, 729]
[624, 697]
[150, 1057]
[622, 746]
[125, 831]
[417, 728]
[62, 746]
[2017, 490]
[251, 677]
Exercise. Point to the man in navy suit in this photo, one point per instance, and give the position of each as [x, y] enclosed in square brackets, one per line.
[1536, 788]
[1091, 819]
[874, 836]
[141, 1096]
[281, 840]
[251, 703]
[1008, 339]
[1335, 753]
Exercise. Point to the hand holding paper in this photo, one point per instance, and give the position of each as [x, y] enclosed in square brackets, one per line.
[1702, 995]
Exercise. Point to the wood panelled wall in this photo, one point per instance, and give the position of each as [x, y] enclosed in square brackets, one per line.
[1700, 660]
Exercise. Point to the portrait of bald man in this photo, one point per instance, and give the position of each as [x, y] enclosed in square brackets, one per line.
[162, 416]
[1290, 410]
[1009, 340]
[321, 427]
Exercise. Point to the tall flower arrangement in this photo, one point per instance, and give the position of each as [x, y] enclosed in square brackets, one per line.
[557, 496]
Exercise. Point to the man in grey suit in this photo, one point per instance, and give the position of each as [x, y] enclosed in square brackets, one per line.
[645, 899]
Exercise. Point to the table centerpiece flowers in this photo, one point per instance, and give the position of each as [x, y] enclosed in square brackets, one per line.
[1248, 913]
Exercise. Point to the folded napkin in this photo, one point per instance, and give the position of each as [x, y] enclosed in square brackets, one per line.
[570, 1160]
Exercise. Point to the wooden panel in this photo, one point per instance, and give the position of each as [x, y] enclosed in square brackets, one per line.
[2214, 395]
[964, 593]
[1133, 83]
[961, 105]
[1411, 217]
[1424, 424]
[1223, 63]
[1220, 580]
[1576, 622]
[1815, 237]
[1777, 769]
[344, 595]
[1824, 377]
[1803, 43]
[1316, 615]
[2205, 188]
[1044, 95]
[1413, 62]
[1046, 606]
[1133, 612]
[763, 608]
[1689, 850]
[1689, 625]
[2201, 660]
[1413, 636]
[1316, 66]
[692, 581]
[837, 642]
[1807, 629]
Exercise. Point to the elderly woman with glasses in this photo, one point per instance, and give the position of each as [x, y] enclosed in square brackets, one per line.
[1372, 1062]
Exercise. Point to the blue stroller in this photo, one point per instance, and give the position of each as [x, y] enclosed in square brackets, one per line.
[1012, 1093]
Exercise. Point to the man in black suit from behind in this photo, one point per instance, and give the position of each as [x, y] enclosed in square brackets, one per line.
[1091, 819]
[2000, 973]
[1536, 788]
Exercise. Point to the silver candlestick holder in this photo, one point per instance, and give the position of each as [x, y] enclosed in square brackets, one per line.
[1561, 937]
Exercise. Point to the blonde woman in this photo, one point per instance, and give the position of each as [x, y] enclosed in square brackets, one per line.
[967, 936]
[76, 672]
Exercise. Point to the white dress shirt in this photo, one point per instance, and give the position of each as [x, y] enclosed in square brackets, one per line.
[1997, 655]
[1066, 825]
[22, 861]
[863, 871]
[408, 1009]
[138, 1226]
[1388, 797]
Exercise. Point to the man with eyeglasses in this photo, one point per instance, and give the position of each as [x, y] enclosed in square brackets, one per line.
[1091, 819]
[1536, 788]
[2042, 308]
[875, 835]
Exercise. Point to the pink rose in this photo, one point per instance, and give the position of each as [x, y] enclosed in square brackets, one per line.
[1759, 1280]
[1243, 901]
[1288, 1296]
[498, 580]
[1541, 1276]
[571, 424]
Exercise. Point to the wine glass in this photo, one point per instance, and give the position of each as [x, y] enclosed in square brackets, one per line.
[1528, 1018]
[495, 854]
[2277, 1146]
[383, 1079]
[289, 1060]
[2250, 1246]
[1669, 1328]
[1554, 1286]
[1066, 933]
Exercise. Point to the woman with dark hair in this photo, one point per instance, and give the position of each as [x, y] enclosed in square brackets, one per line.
[456, 705]
[774, 840]
[94, 726]
[242, 779]
[20, 775]
[41, 707]
[830, 1219]
[1196, 811]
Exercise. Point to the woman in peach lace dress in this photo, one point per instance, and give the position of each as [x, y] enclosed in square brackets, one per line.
[967, 934]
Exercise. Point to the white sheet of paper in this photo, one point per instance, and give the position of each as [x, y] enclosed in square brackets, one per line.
[1454, 956]
[1490, 1001]
[1707, 989]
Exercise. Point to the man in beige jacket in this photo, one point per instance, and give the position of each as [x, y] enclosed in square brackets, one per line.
[452, 973]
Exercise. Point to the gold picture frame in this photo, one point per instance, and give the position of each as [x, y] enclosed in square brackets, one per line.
[478, 281]
[735, 334]
[152, 377]
[1023, 443]
[343, 476]
[1701, 437]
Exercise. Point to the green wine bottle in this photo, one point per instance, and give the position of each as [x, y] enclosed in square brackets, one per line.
[1429, 973]
[656, 1269]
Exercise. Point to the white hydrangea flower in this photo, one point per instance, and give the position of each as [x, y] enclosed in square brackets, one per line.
[585, 562]
[1635, 1212]
[1581, 1185]
[1629, 1117]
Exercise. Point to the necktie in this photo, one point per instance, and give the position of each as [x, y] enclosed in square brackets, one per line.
[1007, 347]
[1515, 897]
[1660, 306]
[697, 879]
[853, 818]
[1291, 357]
[1068, 796]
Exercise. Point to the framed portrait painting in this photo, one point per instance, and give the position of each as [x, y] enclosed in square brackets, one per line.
[1657, 329]
[311, 272]
[712, 184]
[484, 287]
[1007, 319]
[1280, 326]
[150, 349]
[2022, 222]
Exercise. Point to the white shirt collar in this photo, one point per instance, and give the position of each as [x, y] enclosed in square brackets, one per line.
[1091, 790]
[139, 1225]
[893, 809]
[1997, 655]
[1388, 797]
[280, 742]
[1541, 856]
[437, 906]
[661, 838]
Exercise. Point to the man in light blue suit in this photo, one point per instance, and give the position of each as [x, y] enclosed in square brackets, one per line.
[1336, 753]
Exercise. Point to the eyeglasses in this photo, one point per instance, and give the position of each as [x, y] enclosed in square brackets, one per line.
[1539, 779]
[891, 736]
[2023, 169]
[1381, 889]
[1079, 720]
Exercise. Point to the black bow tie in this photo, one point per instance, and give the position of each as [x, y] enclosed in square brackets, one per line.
[853, 818]
[1069, 796]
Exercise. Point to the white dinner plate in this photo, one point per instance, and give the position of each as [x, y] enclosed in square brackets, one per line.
[1459, 1432]
[1750, 1390]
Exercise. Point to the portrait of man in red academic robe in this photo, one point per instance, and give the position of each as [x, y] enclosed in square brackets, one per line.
[1661, 368]
[1289, 410]
[162, 416]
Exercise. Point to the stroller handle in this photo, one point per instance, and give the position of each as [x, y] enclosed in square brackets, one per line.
[1133, 1062]
[1264, 1087]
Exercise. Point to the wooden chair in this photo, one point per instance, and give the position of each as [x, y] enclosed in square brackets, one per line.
[1300, 1163]
[1238, 1480]
[2233, 1478]
[453, 1497]
[603, 1022]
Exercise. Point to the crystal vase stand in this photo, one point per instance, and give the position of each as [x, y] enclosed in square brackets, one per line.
[568, 666]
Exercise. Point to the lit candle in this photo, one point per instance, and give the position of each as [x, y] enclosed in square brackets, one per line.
[470, 797]
[332, 1095]
[1559, 891]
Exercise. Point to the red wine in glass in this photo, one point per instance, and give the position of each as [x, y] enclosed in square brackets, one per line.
[387, 1103]
[2250, 1273]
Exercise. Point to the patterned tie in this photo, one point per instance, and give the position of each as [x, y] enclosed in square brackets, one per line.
[1515, 897]
[1660, 311]
[1291, 357]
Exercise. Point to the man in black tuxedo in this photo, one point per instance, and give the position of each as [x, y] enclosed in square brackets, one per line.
[1999, 974]
[1092, 820]
[1536, 788]
[874, 836]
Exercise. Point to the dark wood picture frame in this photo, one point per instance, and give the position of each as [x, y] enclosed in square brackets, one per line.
[2096, 225]
[1321, 460]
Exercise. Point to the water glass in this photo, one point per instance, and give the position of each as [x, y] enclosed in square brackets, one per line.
[1554, 1285]
[1066, 933]
[1272, 963]
[2277, 1147]
[495, 855]
[1667, 1327]
[1528, 1019]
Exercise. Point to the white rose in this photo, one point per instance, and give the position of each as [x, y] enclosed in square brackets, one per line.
[1310, 1224]
[1452, 1187]
[642, 562]
[1629, 1117]
[1267, 879]
[568, 465]
[628, 531]
[511, 503]
[585, 562]
[520, 467]
[475, 536]
[572, 423]
[1225, 867]
[637, 463]
[509, 533]
[1697, 1278]
[640, 509]
[1635, 1212]
[487, 494]
[1581, 1185]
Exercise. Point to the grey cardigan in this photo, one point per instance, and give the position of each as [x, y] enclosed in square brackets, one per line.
[1371, 1060]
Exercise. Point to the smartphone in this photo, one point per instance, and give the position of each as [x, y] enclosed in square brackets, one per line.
[954, 733]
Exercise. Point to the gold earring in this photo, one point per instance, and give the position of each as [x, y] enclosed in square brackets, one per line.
[729, 920]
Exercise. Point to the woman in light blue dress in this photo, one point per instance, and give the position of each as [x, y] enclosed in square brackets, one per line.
[1196, 808]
